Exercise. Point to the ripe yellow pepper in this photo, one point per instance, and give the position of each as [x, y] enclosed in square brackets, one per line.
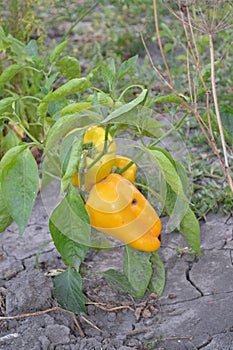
[94, 139]
[121, 162]
[117, 208]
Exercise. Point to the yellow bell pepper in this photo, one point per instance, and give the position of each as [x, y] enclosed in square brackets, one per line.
[116, 207]
[94, 139]
[121, 162]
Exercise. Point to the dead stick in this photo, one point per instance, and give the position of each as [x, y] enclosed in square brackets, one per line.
[91, 324]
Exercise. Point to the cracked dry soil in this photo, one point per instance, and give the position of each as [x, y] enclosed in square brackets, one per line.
[195, 311]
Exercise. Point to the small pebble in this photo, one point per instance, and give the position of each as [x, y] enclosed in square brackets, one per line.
[149, 336]
[112, 316]
[148, 321]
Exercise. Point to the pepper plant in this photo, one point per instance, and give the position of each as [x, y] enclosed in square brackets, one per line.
[59, 116]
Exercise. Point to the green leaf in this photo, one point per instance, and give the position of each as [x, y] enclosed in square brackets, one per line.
[138, 270]
[100, 98]
[71, 252]
[5, 218]
[99, 240]
[73, 162]
[71, 87]
[126, 108]
[9, 73]
[19, 181]
[6, 103]
[9, 141]
[168, 170]
[68, 291]
[42, 111]
[206, 70]
[69, 67]
[169, 99]
[157, 282]
[51, 168]
[50, 80]
[75, 107]
[57, 51]
[126, 66]
[118, 281]
[32, 48]
[190, 230]
[66, 147]
[168, 47]
[108, 72]
[71, 218]
[146, 123]
[66, 124]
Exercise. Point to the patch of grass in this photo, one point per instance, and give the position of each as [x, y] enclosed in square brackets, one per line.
[210, 192]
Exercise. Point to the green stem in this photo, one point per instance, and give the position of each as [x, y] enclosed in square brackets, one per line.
[175, 127]
[81, 173]
[31, 97]
[79, 20]
[104, 151]
[155, 194]
[126, 167]
[38, 144]
[130, 87]
[39, 251]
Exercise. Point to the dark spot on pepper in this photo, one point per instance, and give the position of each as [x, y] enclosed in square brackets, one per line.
[134, 201]
[159, 237]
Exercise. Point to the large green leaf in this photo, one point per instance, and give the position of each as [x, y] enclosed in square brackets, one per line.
[71, 218]
[168, 170]
[190, 230]
[170, 98]
[108, 71]
[71, 252]
[72, 162]
[68, 291]
[51, 167]
[126, 66]
[10, 140]
[183, 219]
[126, 108]
[9, 73]
[72, 86]
[68, 123]
[75, 108]
[138, 270]
[5, 218]
[157, 282]
[19, 182]
[66, 147]
[69, 67]
[6, 103]
[58, 50]
[119, 281]
[175, 200]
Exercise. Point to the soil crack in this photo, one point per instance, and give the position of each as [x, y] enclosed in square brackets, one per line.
[231, 257]
[190, 265]
[206, 343]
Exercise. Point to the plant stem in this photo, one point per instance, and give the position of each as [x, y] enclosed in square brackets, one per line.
[213, 84]
[160, 42]
[79, 19]
[104, 150]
